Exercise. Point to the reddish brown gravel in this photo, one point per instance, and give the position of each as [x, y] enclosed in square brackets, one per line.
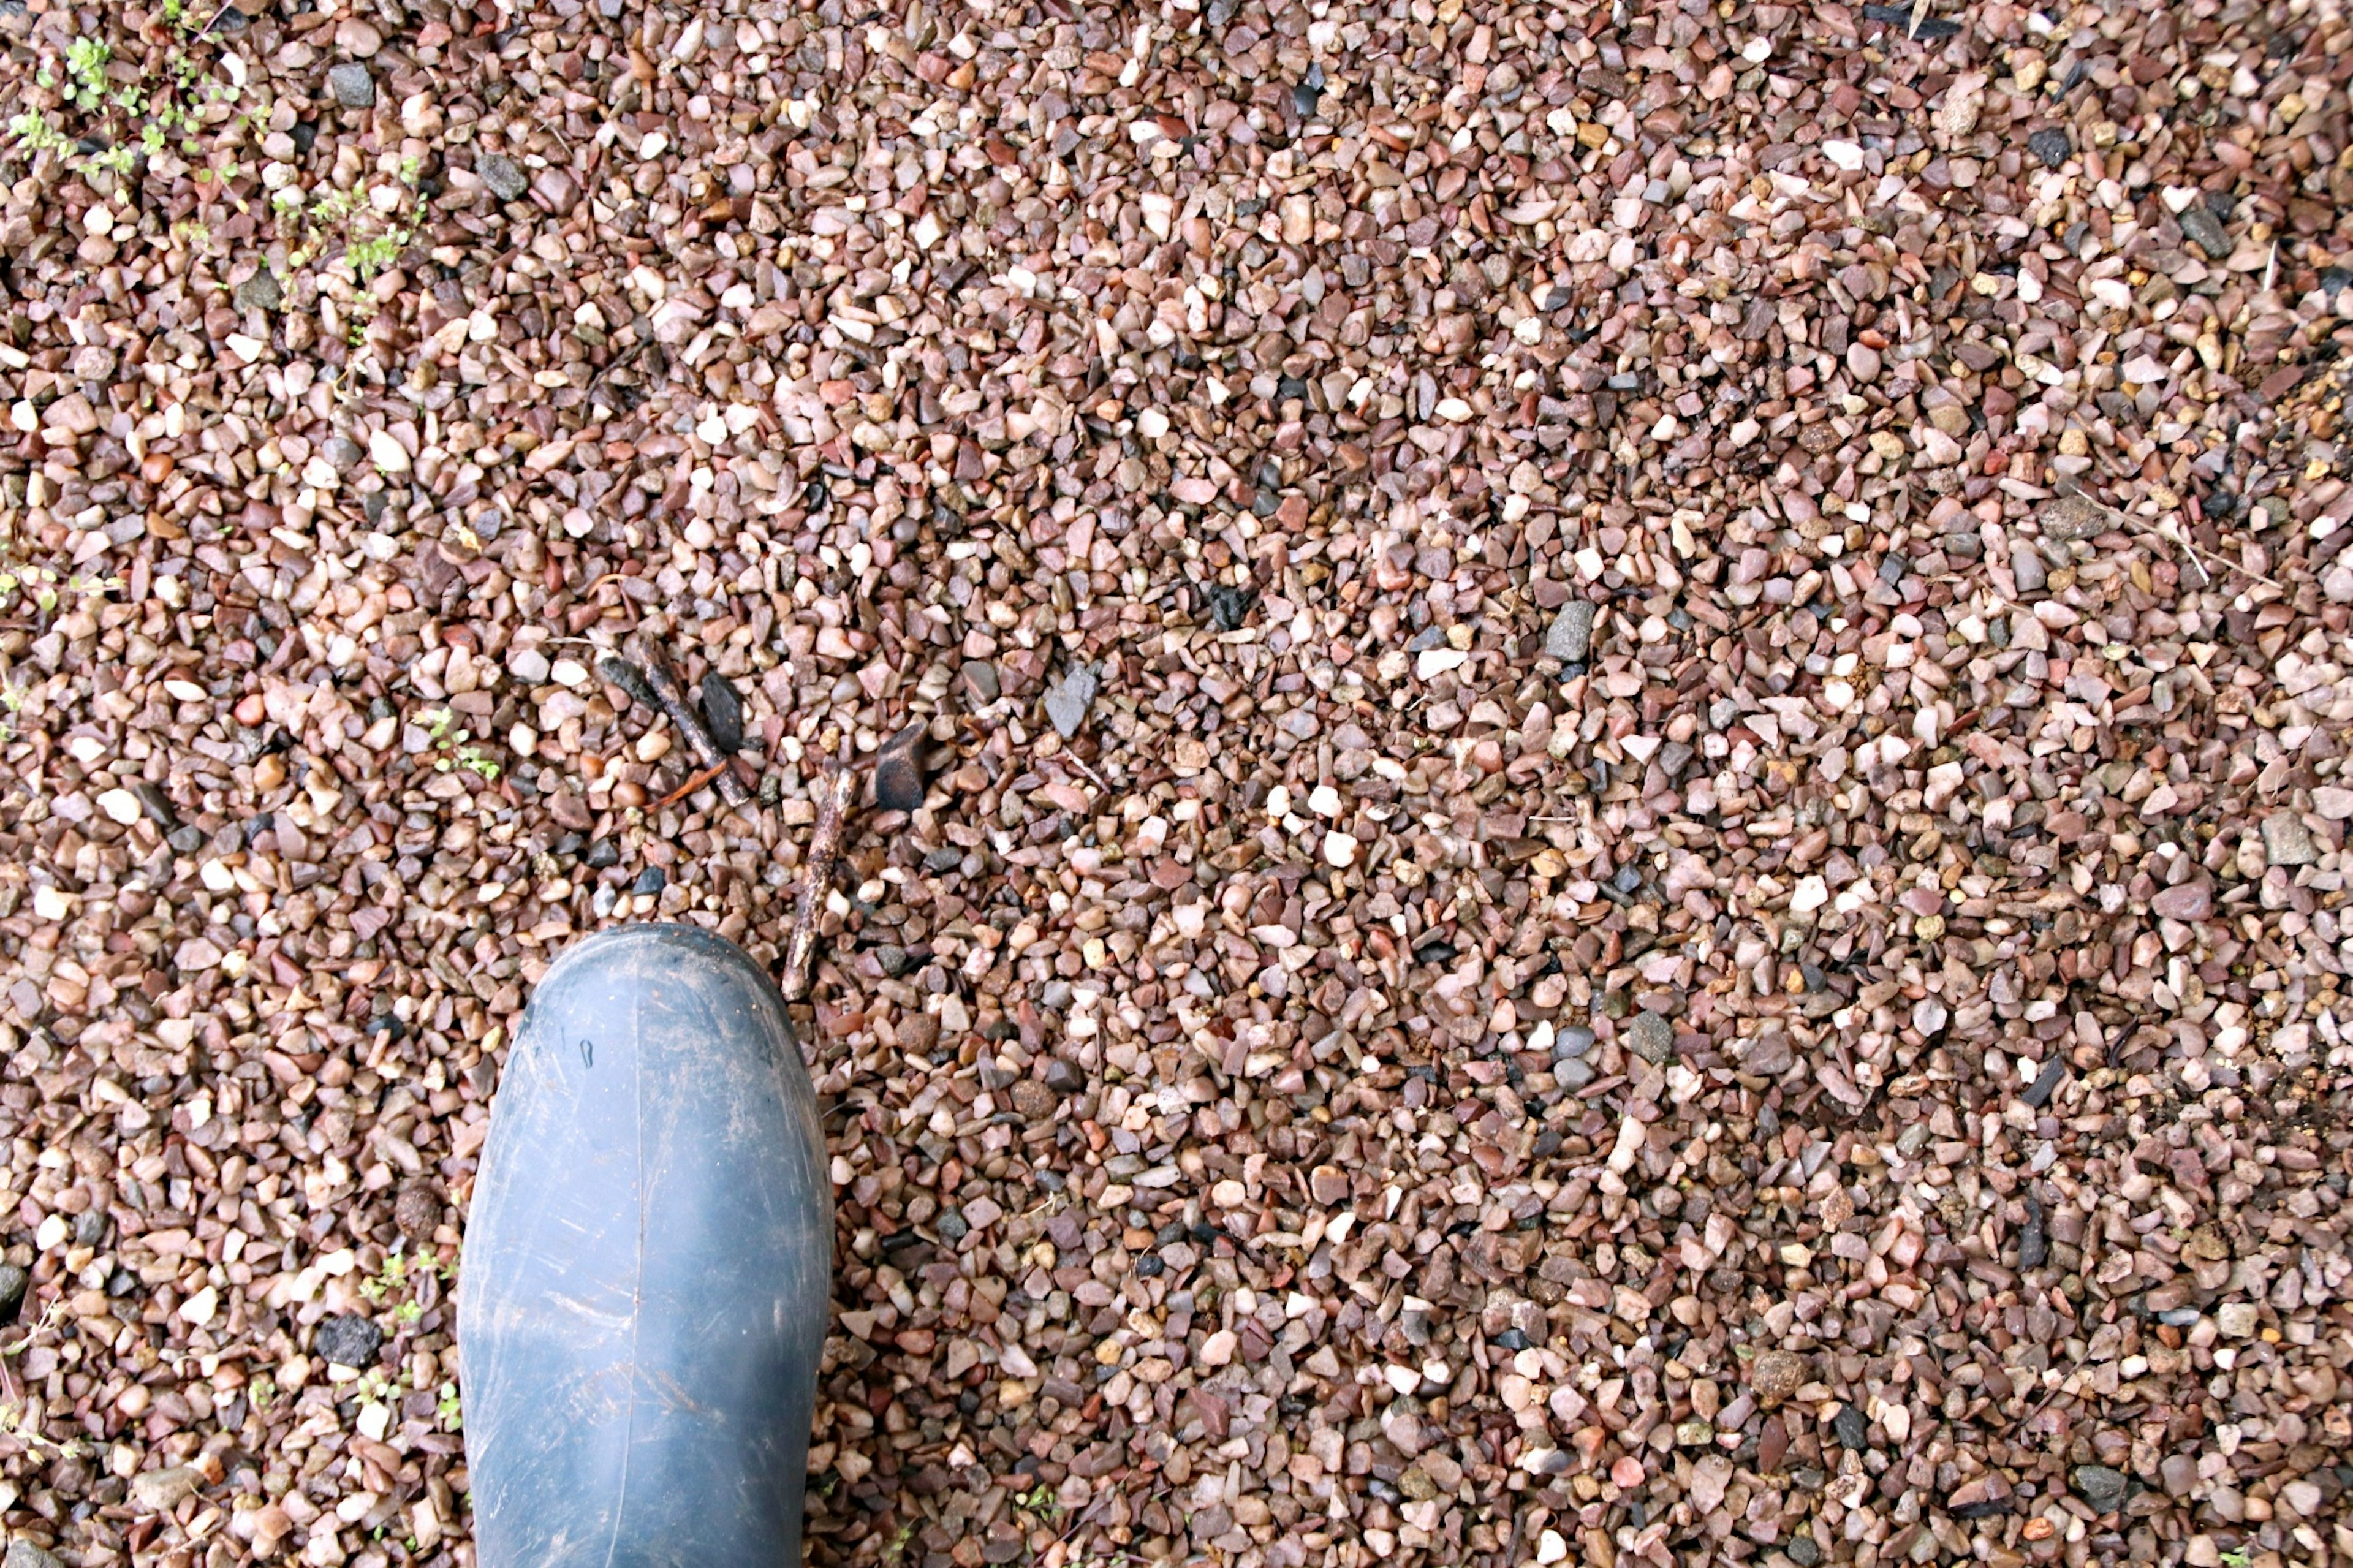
[1630, 837]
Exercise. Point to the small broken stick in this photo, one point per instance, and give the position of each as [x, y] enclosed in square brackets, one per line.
[694, 781]
[671, 698]
[835, 794]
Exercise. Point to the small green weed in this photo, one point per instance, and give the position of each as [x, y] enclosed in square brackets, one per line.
[46, 588]
[457, 749]
[391, 1280]
[37, 134]
[1039, 1504]
[168, 108]
[86, 62]
[448, 1408]
[387, 1280]
[2237, 1557]
[370, 244]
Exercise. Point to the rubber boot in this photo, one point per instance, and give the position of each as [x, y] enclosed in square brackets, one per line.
[644, 1291]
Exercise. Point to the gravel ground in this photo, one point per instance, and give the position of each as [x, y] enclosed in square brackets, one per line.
[1626, 831]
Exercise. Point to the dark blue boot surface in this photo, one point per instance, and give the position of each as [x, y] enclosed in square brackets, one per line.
[645, 1284]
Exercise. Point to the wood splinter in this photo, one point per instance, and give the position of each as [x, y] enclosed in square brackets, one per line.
[663, 683]
[835, 796]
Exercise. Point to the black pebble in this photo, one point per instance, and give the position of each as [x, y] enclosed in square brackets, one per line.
[600, 855]
[899, 770]
[652, 880]
[157, 805]
[953, 1227]
[2038, 1093]
[185, 840]
[2201, 226]
[2051, 145]
[1149, 1266]
[13, 1283]
[349, 1342]
[2033, 1240]
[1511, 1340]
[629, 678]
[567, 844]
[722, 712]
[1853, 1428]
[1230, 606]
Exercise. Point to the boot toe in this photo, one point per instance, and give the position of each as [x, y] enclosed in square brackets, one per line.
[646, 1273]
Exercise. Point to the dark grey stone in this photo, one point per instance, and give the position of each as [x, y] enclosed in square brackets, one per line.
[1852, 1427]
[2200, 224]
[1571, 635]
[2101, 1487]
[502, 175]
[262, 291]
[899, 770]
[722, 712]
[1068, 700]
[1652, 1037]
[350, 1341]
[352, 86]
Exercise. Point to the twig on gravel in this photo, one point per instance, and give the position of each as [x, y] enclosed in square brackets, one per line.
[663, 683]
[1081, 764]
[835, 794]
[2224, 561]
[2200, 556]
[695, 781]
